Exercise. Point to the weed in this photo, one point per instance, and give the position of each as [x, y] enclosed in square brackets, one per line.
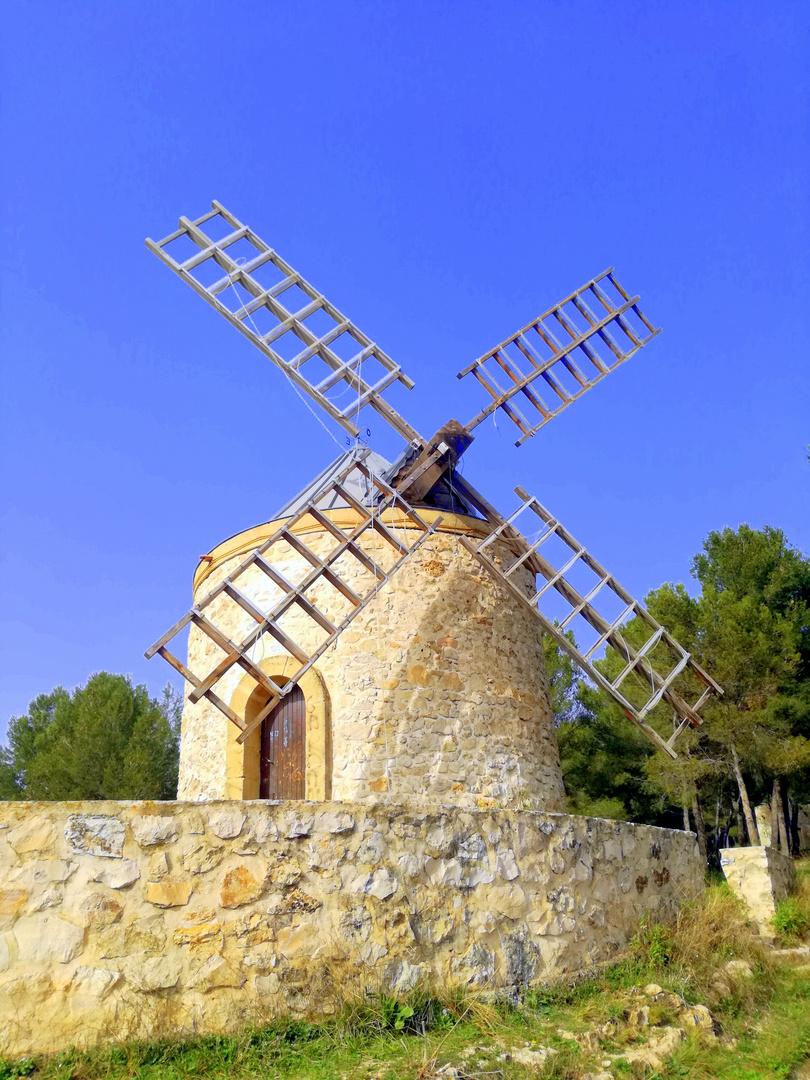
[792, 919]
[11, 1070]
[653, 944]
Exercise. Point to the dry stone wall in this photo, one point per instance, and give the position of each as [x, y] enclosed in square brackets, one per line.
[142, 919]
[761, 876]
[437, 689]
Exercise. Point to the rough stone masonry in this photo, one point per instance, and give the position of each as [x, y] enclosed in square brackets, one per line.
[141, 919]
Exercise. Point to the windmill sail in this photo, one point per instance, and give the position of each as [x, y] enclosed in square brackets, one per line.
[552, 361]
[313, 583]
[294, 325]
[654, 666]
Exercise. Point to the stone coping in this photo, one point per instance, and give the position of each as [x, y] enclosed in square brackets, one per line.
[243, 542]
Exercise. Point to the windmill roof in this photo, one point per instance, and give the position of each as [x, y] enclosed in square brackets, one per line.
[442, 496]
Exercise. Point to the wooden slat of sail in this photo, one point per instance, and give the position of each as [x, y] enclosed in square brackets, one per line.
[585, 337]
[295, 321]
[658, 683]
[348, 544]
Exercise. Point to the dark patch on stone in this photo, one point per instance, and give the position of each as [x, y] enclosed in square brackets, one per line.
[522, 956]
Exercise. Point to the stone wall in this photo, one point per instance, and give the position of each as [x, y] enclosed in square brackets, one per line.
[436, 690]
[761, 876]
[141, 919]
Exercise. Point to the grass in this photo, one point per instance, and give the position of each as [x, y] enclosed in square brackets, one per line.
[763, 1019]
[792, 919]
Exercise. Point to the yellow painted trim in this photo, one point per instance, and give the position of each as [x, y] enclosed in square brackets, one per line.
[246, 541]
[242, 760]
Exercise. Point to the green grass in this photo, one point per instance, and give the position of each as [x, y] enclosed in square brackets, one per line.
[382, 1038]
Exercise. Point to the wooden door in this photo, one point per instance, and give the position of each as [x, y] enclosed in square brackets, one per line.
[283, 752]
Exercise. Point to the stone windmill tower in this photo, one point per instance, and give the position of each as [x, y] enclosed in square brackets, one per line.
[381, 636]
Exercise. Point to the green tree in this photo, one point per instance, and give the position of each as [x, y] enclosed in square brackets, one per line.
[602, 754]
[749, 629]
[760, 567]
[106, 740]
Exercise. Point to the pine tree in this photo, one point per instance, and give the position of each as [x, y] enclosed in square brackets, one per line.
[106, 740]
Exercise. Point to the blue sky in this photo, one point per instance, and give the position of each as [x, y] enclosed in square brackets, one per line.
[442, 172]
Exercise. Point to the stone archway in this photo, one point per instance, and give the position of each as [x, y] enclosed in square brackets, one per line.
[242, 761]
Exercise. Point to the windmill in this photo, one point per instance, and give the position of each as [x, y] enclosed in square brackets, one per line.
[531, 377]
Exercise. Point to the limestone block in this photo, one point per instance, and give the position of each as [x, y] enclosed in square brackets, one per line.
[227, 824]
[34, 987]
[443, 872]
[507, 867]
[5, 954]
[198, 857]
[401, 976]
[95, 982]
[169, 893]
[158, 866]
[381, 884]
[154, 972]
[265, 829]
[47, 940]
[336, 824]
[371, 850]
[216, 972]
[144, 935]
[472, 876]
[12, 902]
[267, 984]
[240, 887]
[297, 825]
[472, 846]
[35, 834]
[761, 876]
[96, 834]
[40, 873]
[250, 930]
[197, 933]
[305, 938]
[419, 675]
[98, 909]
[508, 900]
[149, 829]
[118, 875]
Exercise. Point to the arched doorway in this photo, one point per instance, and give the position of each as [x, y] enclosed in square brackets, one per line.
[282, 758]
[243, 760]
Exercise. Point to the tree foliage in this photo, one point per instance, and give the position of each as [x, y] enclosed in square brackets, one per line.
[749, 627]
[106, 740]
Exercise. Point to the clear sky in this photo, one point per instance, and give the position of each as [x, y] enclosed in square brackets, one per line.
[443, 172]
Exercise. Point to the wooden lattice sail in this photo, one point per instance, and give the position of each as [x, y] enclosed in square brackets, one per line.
[551, 362]
[532, 377]
[659, 665]
[350, 543]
